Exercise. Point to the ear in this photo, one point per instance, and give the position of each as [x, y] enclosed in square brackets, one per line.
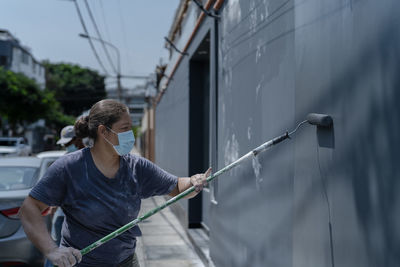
[101, 130]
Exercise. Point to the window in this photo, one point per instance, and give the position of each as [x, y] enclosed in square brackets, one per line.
[3, 61]
[24, 57]
[15, 178]
[8, 142]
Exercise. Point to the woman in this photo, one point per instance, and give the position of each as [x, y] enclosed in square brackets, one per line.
[99, 189]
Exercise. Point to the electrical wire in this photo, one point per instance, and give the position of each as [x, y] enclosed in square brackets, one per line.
[99, 36]
[90, 41]
[174, 47]
[324, 191]
[128, 56]
[104, 20]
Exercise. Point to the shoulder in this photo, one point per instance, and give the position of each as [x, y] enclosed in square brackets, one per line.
[133, 161]
[70, 159]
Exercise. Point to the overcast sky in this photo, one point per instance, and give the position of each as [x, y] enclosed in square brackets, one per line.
[50, 29]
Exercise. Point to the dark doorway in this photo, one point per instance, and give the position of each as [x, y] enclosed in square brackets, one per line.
[199, 121]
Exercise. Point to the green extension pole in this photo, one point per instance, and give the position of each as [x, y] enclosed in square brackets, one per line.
[131, 224]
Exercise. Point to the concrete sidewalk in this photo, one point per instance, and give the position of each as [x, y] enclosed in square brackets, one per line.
[164, 242]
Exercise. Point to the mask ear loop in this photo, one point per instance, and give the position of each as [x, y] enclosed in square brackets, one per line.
[107, 139]
[111, 130]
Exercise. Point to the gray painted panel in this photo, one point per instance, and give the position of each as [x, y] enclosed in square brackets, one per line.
[278, 61]
[172, 118]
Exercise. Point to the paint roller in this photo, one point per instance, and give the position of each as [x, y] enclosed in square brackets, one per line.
[319, 120]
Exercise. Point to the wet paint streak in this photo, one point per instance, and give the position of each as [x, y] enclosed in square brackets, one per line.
[257, 171]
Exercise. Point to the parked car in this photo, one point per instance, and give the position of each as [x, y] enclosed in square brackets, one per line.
[17, 177]
[54, 154]
[14, 146]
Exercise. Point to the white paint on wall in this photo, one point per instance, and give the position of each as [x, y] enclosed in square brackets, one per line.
[266, 4]
[231, 150]
[249, 130]
[253, 17]
[257, 171]
[234, 11]
[259, 85]
[223, 115]
[232, 14]
[258, 52]
[228, 78]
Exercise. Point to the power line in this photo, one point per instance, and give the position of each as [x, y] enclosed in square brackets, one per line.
[90, 41]
[104, 20]
[123, 30]
[100, 37]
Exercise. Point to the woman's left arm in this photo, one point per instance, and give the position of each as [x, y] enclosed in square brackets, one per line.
[184, 183]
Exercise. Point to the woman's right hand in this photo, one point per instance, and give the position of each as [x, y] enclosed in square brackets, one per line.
[64, 257]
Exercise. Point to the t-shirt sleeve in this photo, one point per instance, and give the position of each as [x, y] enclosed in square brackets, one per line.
[154, 180]
[51, 188]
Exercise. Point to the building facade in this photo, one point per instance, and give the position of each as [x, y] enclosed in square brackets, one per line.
[326, 197]
[17, 58]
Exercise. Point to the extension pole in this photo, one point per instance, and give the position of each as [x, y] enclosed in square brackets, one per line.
[131, 224]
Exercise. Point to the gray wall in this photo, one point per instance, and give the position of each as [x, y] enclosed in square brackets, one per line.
[171, 128]
[172, 124]
[278, 61]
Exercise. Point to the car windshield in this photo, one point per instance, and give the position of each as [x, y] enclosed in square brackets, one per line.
[8, 142]
[16, 178]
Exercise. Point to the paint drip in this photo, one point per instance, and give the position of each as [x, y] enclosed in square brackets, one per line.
[234, 11]
[231, 151]
[259, 85]
[253, 17]
[257, 172]
[249, 130]
[258, 53]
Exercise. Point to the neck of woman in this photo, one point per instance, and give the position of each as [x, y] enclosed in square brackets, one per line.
[105, 155]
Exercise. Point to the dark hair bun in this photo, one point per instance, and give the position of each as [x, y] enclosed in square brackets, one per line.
[82, 127]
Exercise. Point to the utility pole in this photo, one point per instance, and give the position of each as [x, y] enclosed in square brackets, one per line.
[119, 87]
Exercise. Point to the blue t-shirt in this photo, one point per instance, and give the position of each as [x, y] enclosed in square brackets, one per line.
[95, 205]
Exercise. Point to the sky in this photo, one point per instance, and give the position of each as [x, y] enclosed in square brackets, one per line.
[50, 28]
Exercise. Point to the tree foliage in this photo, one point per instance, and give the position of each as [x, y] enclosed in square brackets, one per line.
[76, 88]
[22, 100]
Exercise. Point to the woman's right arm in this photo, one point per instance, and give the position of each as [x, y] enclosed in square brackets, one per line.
[36, 230]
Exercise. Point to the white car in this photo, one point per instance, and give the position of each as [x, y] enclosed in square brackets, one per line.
[51, 154]
[14, 146]
[17, 177]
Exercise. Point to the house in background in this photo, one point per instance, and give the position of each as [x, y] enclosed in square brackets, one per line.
[140, 103]
[18, 58]
[323, 198]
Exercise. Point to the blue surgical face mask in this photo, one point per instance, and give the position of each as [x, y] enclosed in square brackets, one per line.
[126, 141]
[71, 148]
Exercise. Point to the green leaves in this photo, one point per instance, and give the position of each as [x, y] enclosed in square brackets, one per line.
[70, 90]
[76, 88]
[22, 100]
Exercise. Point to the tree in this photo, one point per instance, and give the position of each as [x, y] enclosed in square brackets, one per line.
[76, 88]
[22, 101]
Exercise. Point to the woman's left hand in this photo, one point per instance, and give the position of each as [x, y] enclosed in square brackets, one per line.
[200, 180]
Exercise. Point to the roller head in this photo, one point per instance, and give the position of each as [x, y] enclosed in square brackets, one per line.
[321, 120]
